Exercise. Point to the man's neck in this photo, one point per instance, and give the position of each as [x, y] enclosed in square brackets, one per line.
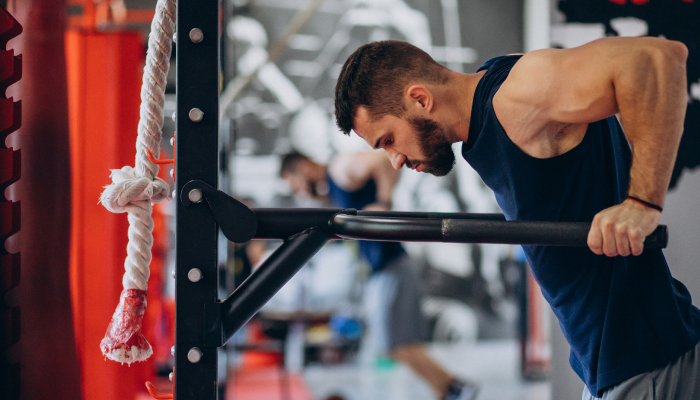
[457, 97]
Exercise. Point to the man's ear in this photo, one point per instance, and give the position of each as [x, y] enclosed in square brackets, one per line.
[419, 98]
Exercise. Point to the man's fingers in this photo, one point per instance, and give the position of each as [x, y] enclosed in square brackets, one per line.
[636, 242]
[595, 238]
[612, 239]
[622, 240]
[621, 230]
[609, 243]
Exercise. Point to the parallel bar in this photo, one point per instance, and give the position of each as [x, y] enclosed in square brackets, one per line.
[387, 229]
[281, 223]
[197, 159]
[268, 279]
[440, 215]
[531, 233]
[472, 231]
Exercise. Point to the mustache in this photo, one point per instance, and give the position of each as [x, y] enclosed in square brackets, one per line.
[412, 163]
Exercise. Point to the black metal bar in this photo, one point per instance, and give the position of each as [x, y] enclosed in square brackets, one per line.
[269, 278]
[440, 215]
[531, 232]
[387, 229]
[281, 223]
[277, 223]
[473, 231]
[197, 159]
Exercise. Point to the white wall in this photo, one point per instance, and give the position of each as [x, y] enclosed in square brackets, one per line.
[682, 215]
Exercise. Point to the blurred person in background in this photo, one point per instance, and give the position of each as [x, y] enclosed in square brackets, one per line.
[365, 180]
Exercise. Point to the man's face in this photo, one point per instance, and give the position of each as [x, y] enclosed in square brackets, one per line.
[300, 185]
[300, 180]
[418, 143]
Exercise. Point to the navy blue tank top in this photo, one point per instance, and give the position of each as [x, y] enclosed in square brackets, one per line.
[377, 254]
[622, 316]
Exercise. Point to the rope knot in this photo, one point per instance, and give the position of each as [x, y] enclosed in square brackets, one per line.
[128, 187]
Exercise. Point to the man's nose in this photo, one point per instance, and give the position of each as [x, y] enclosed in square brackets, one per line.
[397, 159]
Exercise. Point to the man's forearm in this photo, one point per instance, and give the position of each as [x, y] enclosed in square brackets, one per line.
[652, 99]
[652, 165]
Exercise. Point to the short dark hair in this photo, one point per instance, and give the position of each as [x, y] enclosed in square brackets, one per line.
[290, 162]
[375, 75]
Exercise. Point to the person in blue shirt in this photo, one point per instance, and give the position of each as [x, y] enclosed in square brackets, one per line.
[365, 180]
[541, 130]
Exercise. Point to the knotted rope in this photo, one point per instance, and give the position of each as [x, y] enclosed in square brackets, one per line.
[133, 190]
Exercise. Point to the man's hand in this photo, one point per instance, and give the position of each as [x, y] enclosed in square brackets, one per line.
[621, 229]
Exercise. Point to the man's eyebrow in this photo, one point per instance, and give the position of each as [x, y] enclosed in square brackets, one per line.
[378, 142]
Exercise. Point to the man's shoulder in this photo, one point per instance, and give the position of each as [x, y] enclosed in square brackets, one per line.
[529, 75]
[527, 88]
[525, 102]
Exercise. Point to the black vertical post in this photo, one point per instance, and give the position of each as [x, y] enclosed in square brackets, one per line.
[197, 158]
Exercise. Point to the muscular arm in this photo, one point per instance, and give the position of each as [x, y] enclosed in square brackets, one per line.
[652, 104]
[642, 79]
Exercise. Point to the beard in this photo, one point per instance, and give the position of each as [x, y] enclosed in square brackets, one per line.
[437, 150]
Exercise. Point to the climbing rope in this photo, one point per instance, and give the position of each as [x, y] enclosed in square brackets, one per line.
[134, 190]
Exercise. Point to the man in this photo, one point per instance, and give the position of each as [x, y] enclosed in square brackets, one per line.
[541, 131]
[365, 180]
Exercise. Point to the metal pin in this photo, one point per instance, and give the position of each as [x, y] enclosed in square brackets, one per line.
[194, 355]
[196, 115]
[175, 37]
[172, 172]
[174, 116]
[170, 376]
[195, 275]
[172, 272]
[173, 194]
[195, 195]
[172, 351]
[196, 35]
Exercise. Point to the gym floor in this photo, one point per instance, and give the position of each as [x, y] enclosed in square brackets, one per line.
[494, 364]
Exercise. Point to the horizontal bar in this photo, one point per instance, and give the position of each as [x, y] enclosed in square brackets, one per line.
[267, 280]
[532, 233]
[473, 231]
[439, 215]
[281, 223]
[387, 229]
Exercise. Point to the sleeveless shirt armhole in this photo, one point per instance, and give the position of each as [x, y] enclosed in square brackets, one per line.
[480, 99]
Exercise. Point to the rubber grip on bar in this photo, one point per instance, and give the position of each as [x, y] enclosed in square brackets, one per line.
[531, 233]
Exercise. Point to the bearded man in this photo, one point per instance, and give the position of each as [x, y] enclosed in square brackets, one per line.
[541, 130]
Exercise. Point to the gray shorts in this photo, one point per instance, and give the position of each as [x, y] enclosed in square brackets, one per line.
[393, 306]
[678, 380]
